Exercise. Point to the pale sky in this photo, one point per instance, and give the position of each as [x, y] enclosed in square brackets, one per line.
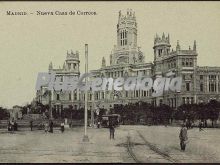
[29, 43]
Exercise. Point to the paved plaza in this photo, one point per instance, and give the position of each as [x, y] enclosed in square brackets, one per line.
[132, 144]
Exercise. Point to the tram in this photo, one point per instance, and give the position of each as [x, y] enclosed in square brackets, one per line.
[113, 119]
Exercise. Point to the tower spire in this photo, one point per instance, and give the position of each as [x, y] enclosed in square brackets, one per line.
[119, 15]
[163, 36]
[194, 45]
[50, 66]
[103, 62]
[177, 46]
[168, 37]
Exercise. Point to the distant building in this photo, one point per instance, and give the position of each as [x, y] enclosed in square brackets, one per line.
[61, 99]
[16, 112]
[200, 84]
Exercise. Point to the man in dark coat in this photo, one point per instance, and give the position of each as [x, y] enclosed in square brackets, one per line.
[51, 126]
[31, 124]
[112, 131]
[183, 137]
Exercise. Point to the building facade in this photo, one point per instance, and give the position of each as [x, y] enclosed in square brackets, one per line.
[200, 84]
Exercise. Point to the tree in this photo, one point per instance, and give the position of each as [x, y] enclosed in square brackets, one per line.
[213, 110]
[4, 114]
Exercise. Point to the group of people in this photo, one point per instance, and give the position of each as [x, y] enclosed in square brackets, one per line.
[12, 125]
[48, 127]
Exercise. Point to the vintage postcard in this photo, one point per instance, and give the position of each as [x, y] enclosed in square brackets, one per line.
[109, 82]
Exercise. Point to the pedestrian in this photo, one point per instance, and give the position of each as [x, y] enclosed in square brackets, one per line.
[46, 126]
[62, 127]
[12, 125]
[9, 125]
[112, 131]
[31, 124]
[99, 124]
[51, 126]
[187, 124]
[15, 126]
[200, 126]
[183, 137]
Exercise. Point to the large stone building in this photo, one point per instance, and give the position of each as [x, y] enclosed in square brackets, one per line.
[200, 84]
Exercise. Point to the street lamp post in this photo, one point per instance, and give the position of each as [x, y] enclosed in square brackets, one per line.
[85, 137]
[92, 110]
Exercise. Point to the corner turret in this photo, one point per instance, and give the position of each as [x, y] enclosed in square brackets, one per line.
[161, 46]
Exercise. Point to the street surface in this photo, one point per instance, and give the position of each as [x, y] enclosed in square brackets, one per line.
[132, 144]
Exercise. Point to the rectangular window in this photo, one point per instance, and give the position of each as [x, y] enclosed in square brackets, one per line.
[187, 87]
[58, 97]
[145, 93]
[75, 96]
[192, 101]
[183, 63]
[97, 96]
[160, 52]
[201, 77]
[213, 87]
[218, 87]
[183, 100]
[187, 100]
[125, 42]
[69, 96]
[201, 87]
[126, 94]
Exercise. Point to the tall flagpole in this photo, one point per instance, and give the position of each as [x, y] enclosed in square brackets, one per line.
[86, 138]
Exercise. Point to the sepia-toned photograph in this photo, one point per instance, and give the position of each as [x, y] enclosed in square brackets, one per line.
[109, 82]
